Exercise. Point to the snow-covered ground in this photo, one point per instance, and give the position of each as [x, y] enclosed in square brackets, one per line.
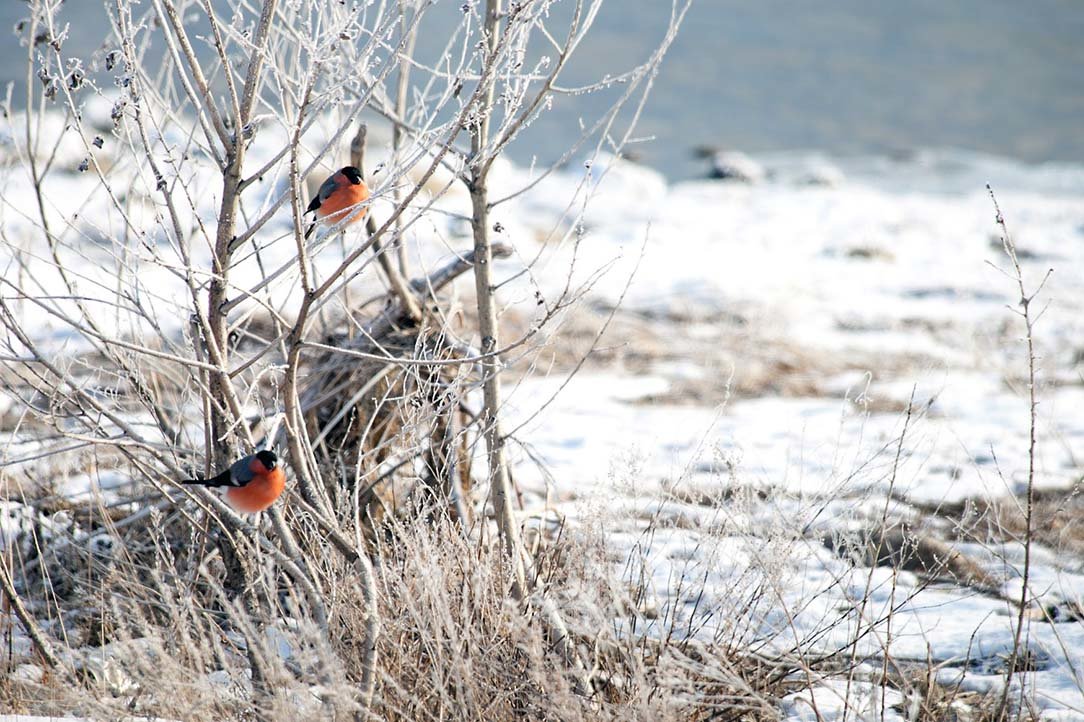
[890, 284]
[782, 330]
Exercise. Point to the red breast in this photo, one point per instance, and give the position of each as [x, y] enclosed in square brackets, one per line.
[340, 204]
[261, 492]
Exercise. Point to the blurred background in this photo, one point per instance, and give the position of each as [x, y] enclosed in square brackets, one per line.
[847, 77]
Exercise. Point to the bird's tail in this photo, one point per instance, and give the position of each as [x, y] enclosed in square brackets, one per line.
[312, 227]
[222, 479]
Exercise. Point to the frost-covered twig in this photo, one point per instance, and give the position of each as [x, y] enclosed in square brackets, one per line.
[1029, 319]
[393, 272]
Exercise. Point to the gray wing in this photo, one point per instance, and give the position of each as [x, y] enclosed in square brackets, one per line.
[323, 194]
[329, 187]
[240, 474]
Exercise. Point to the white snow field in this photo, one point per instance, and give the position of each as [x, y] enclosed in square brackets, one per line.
[891, 283]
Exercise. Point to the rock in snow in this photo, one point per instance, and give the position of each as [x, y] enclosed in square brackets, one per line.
[734, 166]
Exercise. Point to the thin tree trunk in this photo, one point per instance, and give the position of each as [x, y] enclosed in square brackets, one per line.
[223, 450]
[500, 483]
[221, 423]
[499, 478]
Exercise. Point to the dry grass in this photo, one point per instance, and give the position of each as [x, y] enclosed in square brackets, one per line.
[149, 629]
[1058, 519]
[736, 356]
[910, 548]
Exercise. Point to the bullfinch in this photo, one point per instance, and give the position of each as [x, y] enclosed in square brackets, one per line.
[252, 483]
[338, 198]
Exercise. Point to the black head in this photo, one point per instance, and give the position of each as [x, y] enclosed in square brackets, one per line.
[268, 459]
[352, 174]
